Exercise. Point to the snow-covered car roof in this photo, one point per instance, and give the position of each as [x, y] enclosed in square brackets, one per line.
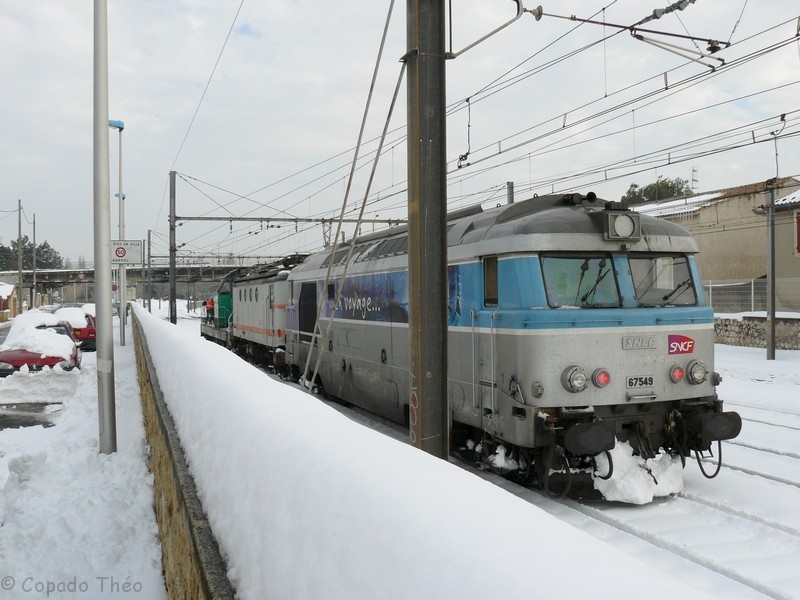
[25, 335]
[73, 315]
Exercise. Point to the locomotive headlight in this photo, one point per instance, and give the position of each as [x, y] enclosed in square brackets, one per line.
[601, 378]
[574, 379]
[696, 372]
[677, 374]
[622, 226]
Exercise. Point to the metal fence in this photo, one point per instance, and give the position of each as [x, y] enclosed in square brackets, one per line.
[736, 296]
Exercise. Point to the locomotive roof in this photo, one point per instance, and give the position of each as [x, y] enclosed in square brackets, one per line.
[540, 223]
[276, 270]
[557, 222]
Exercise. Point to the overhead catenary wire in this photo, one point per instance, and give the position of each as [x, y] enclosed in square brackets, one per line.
[340, 153]
[386, 200]
[663, 156]
[294, 174]
[559, 145]
[498, 79]
[644, 164]
[739, 20]
[661, 91]
[200, 102]
[660, 164]
[673, 85]
[752, 57]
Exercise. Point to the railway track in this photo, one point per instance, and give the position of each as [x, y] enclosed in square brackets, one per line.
[708, 534]
[718, 538]
[722, 542]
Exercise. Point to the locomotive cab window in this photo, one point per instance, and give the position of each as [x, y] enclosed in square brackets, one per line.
[490, 295]
[580, 281]
[662, 280]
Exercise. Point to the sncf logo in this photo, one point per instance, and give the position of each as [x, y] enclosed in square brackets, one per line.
[680, 344]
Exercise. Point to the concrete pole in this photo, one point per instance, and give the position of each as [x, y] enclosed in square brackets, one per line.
[173, 291]
[102, 235]
[429, 413]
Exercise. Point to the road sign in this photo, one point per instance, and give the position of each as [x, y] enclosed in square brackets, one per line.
[124, 252]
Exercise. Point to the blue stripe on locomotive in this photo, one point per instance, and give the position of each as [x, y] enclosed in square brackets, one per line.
[522, 301]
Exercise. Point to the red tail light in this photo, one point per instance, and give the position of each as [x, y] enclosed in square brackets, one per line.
[677, 373]
[601, 378]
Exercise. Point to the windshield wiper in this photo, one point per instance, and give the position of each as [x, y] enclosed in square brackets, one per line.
[584, 268]
[682, 284]
[600, 276]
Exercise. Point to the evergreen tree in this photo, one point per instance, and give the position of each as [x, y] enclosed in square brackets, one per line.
[46, 256]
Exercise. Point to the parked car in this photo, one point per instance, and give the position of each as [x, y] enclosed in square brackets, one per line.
[37, 340]
[82, 322]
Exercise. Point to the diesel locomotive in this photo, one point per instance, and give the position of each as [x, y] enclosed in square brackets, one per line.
[574, 324]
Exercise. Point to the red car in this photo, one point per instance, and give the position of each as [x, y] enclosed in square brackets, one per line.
[37, 340]
[83, 323]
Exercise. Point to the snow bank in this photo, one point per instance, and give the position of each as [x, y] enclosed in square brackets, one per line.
[636, 480]
[74, 523]
[308, 504]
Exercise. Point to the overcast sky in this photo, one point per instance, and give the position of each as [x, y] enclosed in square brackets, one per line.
[552, 107]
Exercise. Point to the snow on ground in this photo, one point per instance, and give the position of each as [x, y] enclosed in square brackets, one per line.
[304, 502]
[75, 523]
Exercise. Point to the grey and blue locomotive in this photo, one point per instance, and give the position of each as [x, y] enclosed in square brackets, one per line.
[573, 324]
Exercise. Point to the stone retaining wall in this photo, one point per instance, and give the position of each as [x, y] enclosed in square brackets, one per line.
[193, 566]
[751, 331]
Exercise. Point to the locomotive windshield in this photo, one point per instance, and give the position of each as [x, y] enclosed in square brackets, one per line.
[580, 281]
[662, 280]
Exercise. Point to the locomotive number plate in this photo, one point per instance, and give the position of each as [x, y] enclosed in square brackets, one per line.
[639, 382]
